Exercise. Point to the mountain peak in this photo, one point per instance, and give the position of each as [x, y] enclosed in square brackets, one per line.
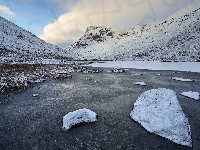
[161, 41]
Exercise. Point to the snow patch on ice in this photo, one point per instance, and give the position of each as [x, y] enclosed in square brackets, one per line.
[140, 83]
[77, 117]
[138, 74]
[159, 112]
[190, 94]
[35, 95]
[181, 79]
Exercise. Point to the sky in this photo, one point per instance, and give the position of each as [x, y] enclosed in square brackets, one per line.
[62, 22]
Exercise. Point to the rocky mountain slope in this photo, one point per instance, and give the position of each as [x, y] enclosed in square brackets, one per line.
[19, 45]
[175, 38]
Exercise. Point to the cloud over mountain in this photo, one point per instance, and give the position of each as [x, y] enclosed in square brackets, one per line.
[81, 14]
[6, 10]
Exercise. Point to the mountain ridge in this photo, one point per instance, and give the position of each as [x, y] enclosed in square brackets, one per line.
[144, 42]
[20, 45]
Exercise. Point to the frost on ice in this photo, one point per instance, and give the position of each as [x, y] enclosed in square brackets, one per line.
[159, 112]
[78, 117]
[190, 94]
[140, 83]
[181, 79]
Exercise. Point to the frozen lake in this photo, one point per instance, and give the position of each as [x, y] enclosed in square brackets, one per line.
[151, 65]
[35, 122]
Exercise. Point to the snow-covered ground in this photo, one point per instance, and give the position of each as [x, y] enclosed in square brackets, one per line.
[20, 80]
[151, 65]
[190, 94]
[79, 116]
[159, 112]
[14, 77]
[43, 61]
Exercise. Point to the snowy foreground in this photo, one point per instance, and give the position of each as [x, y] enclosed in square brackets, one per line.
[151, 65]
[78, 117]
[112, 97]
[159, 112]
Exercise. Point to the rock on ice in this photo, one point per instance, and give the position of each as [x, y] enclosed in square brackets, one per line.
[159, 112]
[78, 117]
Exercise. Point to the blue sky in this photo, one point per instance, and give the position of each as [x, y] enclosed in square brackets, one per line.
[62, 22]
[31, 15]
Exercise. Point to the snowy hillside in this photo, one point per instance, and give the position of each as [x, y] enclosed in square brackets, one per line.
[175, 38]
[19, 45]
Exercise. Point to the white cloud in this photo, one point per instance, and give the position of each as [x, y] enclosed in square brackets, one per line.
[6, 10]
[111, 13]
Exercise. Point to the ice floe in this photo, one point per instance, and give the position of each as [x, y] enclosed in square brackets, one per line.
[78, 117]
[181, 79]
[159, 112]
[190, 94]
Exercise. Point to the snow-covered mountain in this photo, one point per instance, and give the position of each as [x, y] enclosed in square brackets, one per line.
[19, 45]
[176, 38]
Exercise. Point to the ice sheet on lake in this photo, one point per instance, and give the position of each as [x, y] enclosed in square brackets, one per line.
[151, 65]
[77, 117]
[159, 112]
[190, 94]
[181, 79]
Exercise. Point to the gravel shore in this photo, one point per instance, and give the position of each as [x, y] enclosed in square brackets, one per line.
[28, 122]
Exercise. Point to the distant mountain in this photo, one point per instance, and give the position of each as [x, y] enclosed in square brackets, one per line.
[19, 45]
[175, 38]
